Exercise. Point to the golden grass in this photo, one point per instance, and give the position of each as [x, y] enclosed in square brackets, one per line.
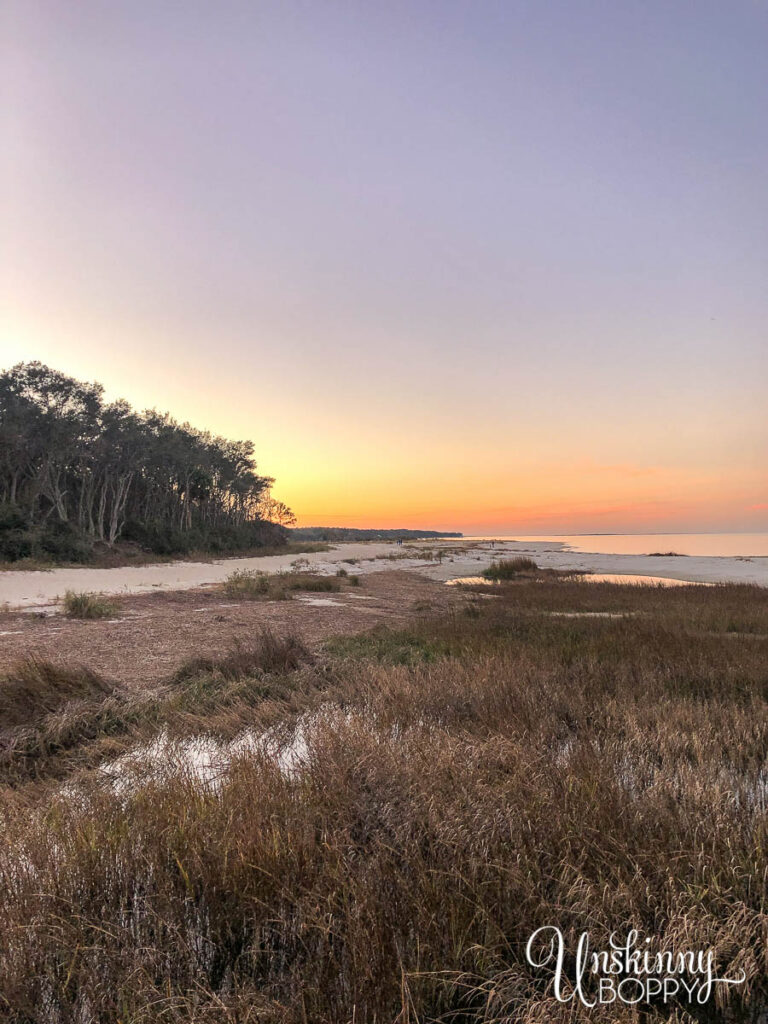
[462, 782]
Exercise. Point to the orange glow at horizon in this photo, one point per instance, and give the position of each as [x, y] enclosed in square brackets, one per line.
[501, 274]
[335, 464]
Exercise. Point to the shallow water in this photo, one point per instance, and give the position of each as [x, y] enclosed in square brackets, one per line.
[595, 577]
[726, 545]
[469, 581]
[646, 581]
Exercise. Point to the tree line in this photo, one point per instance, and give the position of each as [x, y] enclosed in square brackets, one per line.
[77, 473]
[350, 533]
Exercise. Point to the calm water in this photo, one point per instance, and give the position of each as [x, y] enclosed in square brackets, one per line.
[593, 577]
[731, 544]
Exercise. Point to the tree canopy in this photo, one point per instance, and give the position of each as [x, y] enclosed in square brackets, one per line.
[72, 464]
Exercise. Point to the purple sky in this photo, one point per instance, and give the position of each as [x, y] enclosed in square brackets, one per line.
[469, 264]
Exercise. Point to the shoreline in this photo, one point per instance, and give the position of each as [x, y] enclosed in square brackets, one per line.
[689, 568]
[40, 589]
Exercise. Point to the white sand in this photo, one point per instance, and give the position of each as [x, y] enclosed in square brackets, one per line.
[25, 589]
[29, 589]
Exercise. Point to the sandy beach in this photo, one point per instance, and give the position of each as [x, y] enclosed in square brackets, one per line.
[43, 589]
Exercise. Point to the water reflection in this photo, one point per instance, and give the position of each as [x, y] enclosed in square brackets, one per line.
[647, 581]
[595, 577]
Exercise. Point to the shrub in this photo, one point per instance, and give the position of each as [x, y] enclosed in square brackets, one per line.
[162, 539]
[247, 584]
[55, 541]
[251, 585]
[88, 606]
[63, 542]
[15, 539]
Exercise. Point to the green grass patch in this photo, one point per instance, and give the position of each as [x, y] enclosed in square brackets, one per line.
[389, 647]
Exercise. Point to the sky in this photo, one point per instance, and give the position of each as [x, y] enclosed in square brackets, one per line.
[485, 266]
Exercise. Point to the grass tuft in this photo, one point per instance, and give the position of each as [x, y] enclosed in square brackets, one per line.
[35, 688]
[510, 568]
[88, 606]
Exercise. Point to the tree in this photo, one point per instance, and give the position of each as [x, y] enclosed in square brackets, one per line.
[68, 457]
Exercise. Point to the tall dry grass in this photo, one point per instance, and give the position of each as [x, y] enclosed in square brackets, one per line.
[457, 785]
[509, 568]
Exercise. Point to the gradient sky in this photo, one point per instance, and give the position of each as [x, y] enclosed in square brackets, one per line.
[492, 266]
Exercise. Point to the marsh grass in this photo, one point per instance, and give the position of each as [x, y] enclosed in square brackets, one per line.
[271, 654]
[388, 646]
[510, 568]
[57, 719]
[88, 606]
[462, 781]
[49, 711]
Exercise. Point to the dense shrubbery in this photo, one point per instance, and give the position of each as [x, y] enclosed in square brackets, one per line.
[163, 539]
[55, 540]
[76, 473]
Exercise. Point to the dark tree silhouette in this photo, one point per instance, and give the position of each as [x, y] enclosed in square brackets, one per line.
[75, 471]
